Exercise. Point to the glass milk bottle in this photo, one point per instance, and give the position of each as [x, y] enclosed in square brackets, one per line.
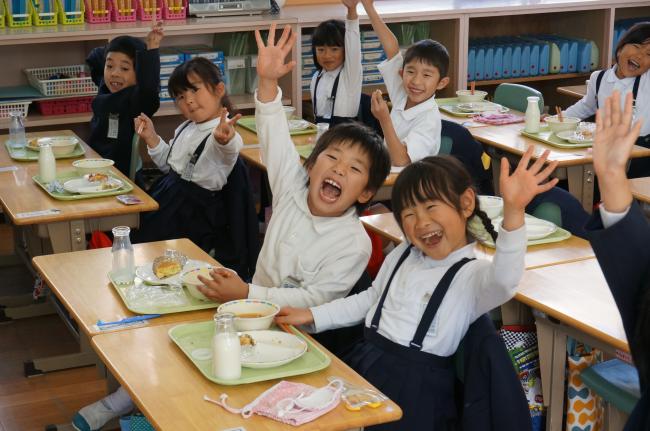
[532, 115]
[46, 164]
[226, 350]
[17, 130]
[123, 271]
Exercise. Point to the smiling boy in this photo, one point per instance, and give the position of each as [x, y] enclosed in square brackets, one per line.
[412, 129]
[315, 248]
[127, 72]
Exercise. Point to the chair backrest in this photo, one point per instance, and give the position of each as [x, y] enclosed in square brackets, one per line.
[446, 144]
[514, 96]
[549, 211]
[136, 160]
[365, 114]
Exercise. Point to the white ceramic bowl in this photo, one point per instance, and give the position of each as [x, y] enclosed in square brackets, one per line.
[569, 123]
[242, 308]
[288, 112]
[492, 205]
[191, 282]
[61, 145]
[465, 96]
[91, 166]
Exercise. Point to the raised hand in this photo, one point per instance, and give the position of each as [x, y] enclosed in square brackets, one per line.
[294, 316]
[520, 187]
[271, 57]
[223, 285]
[145, 130]
[225, 131]
[155, 36]
[352, 8]
[615, 136]
[378, 106]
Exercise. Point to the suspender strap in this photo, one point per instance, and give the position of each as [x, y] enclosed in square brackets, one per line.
[599, 79]
[635, 88]
[434, 303]
[374, 324]
[189, 168]
[176, 135]
[332, 97]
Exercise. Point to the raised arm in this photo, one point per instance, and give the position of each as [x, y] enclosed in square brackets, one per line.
[387, 38]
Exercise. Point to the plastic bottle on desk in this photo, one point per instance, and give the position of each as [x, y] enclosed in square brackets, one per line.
[46, 164]
[17, 130]
[532, 115]
[226, 350]
[123, 270]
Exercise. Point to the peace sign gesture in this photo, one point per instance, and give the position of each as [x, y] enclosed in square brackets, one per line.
[225, 131]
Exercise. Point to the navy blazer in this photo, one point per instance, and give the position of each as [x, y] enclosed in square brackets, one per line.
[623, 252]
[493, 398]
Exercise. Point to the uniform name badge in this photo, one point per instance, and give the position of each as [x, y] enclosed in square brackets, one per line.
[113, 125]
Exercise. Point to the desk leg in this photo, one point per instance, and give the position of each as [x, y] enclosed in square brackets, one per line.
[84, 358]
[67, 236]
[581, 184]
[552, 362]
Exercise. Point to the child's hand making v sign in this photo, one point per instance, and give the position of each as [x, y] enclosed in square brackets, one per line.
[156, 34]
[613, 141]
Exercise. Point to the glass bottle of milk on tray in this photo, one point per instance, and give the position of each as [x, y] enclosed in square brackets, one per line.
[123, 270]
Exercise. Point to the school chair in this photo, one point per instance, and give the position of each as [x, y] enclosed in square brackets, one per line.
[136, 161]
[617, 383]
[458, 142]
[365, 115]
[514, 96]
[561, 208]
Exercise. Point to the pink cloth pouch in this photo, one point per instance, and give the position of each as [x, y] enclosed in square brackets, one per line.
[289, 402]
[498, 119]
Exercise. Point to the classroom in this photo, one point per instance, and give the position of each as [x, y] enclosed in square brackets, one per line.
[243, 215]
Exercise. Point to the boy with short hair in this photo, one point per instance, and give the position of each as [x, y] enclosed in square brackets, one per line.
[412, 129]
[127, 72]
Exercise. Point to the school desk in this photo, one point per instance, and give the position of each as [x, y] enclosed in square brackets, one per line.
[80, 283]
[576, 91]
[66, 230]
[169, 389]
[570, 299]
[641, 189]
[537, 256]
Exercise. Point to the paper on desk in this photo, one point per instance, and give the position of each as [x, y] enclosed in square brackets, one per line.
[28, 214]
[8, 168]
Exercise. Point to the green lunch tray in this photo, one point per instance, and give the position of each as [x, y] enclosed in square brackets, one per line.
[67, 196]
[192, 336]
[305, 150]
[27, 155]
[248, 123]
[192, 303]
[448, 105]
[557, 236]
[546, 136]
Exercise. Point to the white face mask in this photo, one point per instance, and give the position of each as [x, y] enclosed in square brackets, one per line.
[319, 399]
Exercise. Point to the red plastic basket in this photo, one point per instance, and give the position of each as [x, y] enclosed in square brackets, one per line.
[123, 10]
[176, 10]
[98, 11]
[73, 105]
[145, 9]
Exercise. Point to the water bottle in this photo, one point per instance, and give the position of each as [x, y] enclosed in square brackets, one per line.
[16, 130]
[532, 115]
[46, 163]
[226, 349]
[123, 271]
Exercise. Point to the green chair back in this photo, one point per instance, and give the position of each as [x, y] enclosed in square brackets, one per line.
[614, 382]
[445, 145]
[136, 160]
[549, 211]
[514, 96]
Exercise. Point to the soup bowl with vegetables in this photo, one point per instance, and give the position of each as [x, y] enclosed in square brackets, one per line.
[251, 314]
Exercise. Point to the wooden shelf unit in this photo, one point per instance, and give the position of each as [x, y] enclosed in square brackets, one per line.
[549, 77]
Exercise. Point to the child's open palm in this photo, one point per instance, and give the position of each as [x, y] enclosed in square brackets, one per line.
[225, 131]
[271, 57]
[520, 187]
[615, 136]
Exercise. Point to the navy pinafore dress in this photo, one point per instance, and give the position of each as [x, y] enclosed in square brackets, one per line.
[421, 383]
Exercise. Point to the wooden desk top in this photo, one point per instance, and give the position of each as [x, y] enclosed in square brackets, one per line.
[79, 279]
[537, 256]
[508, 138]
[253, 155]
[577, 294]
[577, 91]
[19, 193]
[641, 189]
[168, 388]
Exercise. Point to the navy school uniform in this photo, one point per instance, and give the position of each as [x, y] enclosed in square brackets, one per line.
[120, 108]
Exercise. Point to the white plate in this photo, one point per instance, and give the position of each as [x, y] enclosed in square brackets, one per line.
[145, 272]
[479, 107]
[85, 187]
[296, 125]
[272, 349]
[573, 137]
[535, 228]
[34, 143]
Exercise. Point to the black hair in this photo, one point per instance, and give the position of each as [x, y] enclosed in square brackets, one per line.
[127, 45]
[429, 52]
[204, 69]
[357, 134]
[442, 178]
[638, 33]
[328, 33]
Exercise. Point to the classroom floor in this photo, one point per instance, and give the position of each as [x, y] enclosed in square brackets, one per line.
[31, 404]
